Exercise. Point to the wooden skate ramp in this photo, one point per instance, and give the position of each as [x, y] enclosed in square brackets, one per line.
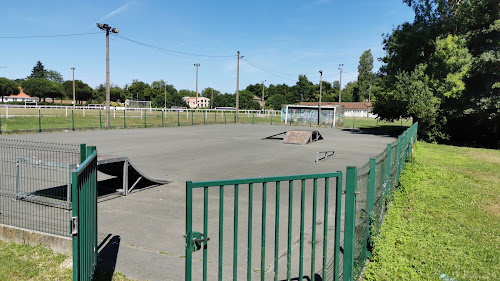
[302, 136]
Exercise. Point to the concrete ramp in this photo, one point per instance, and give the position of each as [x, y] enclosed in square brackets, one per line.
[302, 136]
[126, 176]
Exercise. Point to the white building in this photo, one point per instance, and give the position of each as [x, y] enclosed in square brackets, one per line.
[21, 97]
[203, 102]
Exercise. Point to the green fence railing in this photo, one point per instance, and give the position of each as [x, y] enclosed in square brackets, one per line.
[84, 216]
[323, 256]
[369, 189]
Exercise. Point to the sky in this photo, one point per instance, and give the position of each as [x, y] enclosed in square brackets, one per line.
[164, 39]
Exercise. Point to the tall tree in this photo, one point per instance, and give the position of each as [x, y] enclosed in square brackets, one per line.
[83, 92]
[457, 42]
[38, 71]
[365, 75]
[42, 88]
[54, 76]
[8, 87]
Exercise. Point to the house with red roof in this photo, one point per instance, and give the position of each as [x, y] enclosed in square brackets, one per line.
[21, 97]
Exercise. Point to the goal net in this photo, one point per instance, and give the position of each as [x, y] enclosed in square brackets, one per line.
[138, 104]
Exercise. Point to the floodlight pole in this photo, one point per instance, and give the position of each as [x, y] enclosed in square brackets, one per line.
[197, 65]
[263, 103]
[107, 28]
[320, 88]
[340, 89]
[165, 86]
[74, 96]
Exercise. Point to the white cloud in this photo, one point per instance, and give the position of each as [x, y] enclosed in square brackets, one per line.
[118, 11]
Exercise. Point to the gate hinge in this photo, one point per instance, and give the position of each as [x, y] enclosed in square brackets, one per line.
[74, 225]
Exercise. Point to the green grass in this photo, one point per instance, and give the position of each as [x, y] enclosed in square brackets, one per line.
[445, 218]
[372, 123]
[20, 262]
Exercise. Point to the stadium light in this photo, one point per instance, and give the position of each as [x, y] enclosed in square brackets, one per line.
[107, 28]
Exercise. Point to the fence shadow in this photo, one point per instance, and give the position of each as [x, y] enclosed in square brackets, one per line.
[106, 258]
[387, 131]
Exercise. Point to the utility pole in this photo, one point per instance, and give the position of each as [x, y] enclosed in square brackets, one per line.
[107, 28]
[165, 85]
[74, 96]
[212, 100]
[320, 89]
[238, 86]
[263, 102]
[197, 65]
[340, 90]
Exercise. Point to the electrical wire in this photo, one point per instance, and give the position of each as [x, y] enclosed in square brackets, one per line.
[173, 51]
[47, 36]
[250, 63]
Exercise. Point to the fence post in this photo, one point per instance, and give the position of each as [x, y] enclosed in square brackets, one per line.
[145, 118]
[350, 222]
[189, 229]
[371, 200]
[39, 121]
[0, 124]
[178, 118]
[83, 152]
[192, 117]
[272, 118]
[398, 160]
[124, 118]
[100, 119]
[215, 114]
[204, 118]
[389, 160]
[225, 118]
[354, 122]
[73, 119]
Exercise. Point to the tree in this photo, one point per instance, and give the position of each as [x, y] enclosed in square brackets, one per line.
[54, 76]
[83, 92]
[38, 71]
[42, 88]
[456, 41]
[247, 102]
[138, 90]
[350, 91]
[225, 100]
[276, 101]
[187, 93]
[365, 75]
[304, 90]
[8, 87]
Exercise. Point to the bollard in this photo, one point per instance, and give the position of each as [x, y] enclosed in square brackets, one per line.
[124, 118]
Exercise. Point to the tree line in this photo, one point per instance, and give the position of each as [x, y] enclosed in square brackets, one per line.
[43, 84]
[443, 70]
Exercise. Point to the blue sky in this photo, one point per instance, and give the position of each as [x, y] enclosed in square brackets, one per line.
[278, 39]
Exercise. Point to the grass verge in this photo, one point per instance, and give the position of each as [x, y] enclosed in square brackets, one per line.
[20, 262]
[445, 218]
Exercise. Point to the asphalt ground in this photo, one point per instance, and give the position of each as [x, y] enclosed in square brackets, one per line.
[143, 232]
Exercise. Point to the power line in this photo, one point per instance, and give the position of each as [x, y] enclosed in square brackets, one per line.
[173, 51]
[47, 36]
[248, 62]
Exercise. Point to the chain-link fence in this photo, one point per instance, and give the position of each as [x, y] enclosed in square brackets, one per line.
[372, 185]
[35, 184]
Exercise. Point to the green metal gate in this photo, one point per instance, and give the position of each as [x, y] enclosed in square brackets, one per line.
[313, 188]
[84, 216]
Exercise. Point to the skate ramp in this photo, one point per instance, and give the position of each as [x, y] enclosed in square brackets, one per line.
[125, 177]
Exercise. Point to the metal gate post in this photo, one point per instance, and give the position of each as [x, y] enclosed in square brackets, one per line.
[189, 230]
[350, 222]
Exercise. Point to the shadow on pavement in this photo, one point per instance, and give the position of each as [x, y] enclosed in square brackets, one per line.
[106, 259]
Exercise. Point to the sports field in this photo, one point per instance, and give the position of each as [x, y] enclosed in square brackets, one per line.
[145, 230]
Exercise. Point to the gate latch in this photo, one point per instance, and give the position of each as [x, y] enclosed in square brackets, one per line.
[197, 240]
[74, 225]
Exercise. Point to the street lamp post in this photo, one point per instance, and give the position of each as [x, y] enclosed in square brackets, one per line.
[263, 103]
[320, 88]
[165, 86]
[197, 65]
[74, 96]
[107, 28]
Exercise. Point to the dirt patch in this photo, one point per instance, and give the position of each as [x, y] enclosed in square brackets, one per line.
[494, 209]
[490, 156]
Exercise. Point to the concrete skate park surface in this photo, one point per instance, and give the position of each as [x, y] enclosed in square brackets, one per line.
[145, 229]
